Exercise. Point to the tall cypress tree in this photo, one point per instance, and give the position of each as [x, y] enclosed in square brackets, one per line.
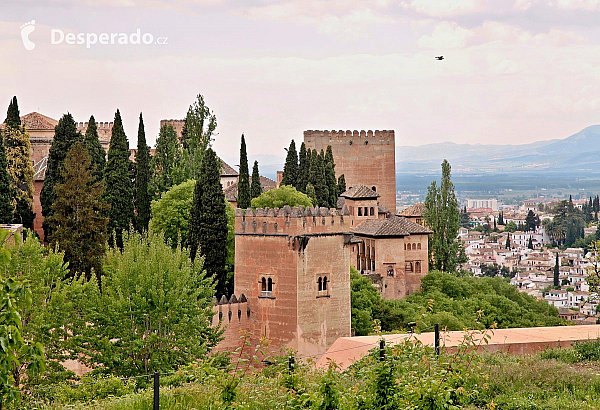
[208, 222]
[19, 166]
[65, 135]
[320, 182]
[556, 271]
[330, 177]
[290, 168]
[119, 189]
[341, 185]
[142, 179]
[97, 154]
[6, 209]
[255, 188]
[78, 227]
[244, 197]
[302, 168]
[13, 118]
[164, 161]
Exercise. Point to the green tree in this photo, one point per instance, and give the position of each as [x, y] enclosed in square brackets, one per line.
[530, 243]
[330, 178]
[510, 227]
[319, 180]
[118, 192]
[95, 149]
[65, 135]
[364, 297]
[255, 188]
[501, 219]
[20, 171]
[142, 180]
[244, 197]
[303, 168]
[311, 194]
[208, 222]
[280, 197]
[164, 161]
[530, 221]
[290, 168]
[556, 271]
[507, 245]
[13, 117]
[341, 185]
[441, 215]
[154, 303]
[78, 222]
[465, 218]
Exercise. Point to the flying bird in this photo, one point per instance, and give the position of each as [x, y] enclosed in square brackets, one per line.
[439, 58]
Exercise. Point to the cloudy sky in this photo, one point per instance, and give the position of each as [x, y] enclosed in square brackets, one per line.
[515, 71]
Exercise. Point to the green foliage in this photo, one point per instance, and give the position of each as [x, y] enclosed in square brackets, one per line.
[330, 179]
[441, 214]
[510, 227]
[303, 168]
[311, 194]
[13, 118]
[290, 168]
[65, 135]
[364, 297]
[118, 191]
[208, 222]
[142, 180]
[95, 149]
[255, 188]
[279, 197]
[77, 222]
[153, 314]
[244, 197]
[166, 156]
[567, 225]
[341, 185]
[330, 397]
[319, 179]
[20, 171]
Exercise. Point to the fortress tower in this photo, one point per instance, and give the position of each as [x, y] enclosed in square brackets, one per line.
[364, 157]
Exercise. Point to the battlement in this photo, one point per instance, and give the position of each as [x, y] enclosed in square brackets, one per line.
[226, 311]
[99, 125]
[292, 221]
[341, 134]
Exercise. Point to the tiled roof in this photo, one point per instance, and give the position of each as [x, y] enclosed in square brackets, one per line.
[413, 210]
[37, 121]
[227, 170]
[394, 226]
[360, 192]
[231, 192]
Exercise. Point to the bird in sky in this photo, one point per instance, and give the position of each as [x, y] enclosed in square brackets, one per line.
[439, 58]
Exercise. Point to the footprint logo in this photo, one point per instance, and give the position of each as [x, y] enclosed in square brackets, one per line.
[26, 30]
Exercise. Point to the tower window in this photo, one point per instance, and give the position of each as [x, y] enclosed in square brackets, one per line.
[263, 285]
[322, 286]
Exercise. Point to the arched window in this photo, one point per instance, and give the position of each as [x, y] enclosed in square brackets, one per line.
[263, 286]
[320, 284]
[372, 211]
[408, 267]
[390, 271]
[418, 267]
[359, 211]
[414, 247]
[419, 246]
[270, 285]
[404, 246]
[366, 211]
[325, 284]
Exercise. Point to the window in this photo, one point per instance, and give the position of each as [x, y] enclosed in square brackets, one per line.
[359, 211]
[322, 286]
[372, 211]
[408, 267]
[418, 246]
[263, 285]
[418, 267]
[374, 188]
[266, 287]
[404, 246]
[390, 271]
[270, 285]
[414, 247]
[325, 284]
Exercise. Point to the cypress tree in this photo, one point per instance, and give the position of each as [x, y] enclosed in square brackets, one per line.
[142, 180]
[530, 243]
[244, 197]
[13, 118]
[320, 183]
[331, 181]
[165, 158]
[119, 189]
[79, 230]
[19, 166]
[508, 241]
[65, 135]
[6, 209]
[310, 192]
[255, 188]
[290, 169]
[302, 168]
[208, 222]
[556, 271]
[97, 154]
[341, 185]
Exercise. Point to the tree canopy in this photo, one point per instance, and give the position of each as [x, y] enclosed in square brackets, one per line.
[279, 197]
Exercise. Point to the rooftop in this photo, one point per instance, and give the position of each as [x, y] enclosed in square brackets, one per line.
[413, 210]
[360, 192]
[393, 226]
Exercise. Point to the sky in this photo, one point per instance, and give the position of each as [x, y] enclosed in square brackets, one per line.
[515, 71]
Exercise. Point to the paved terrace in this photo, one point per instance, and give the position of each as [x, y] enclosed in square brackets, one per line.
[347, 350]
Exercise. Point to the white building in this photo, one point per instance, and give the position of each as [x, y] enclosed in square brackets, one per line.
[491, 203]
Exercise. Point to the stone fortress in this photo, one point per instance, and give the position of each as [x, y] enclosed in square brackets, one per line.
[292, 265]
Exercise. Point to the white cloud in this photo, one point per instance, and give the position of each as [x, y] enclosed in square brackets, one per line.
[591, 5]
[496, 31]
[446, 35]
[522, 4]
[445, 8]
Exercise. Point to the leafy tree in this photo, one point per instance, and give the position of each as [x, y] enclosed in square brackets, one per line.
[142, 180]
[171, 217]
[95, 149]
[154, 304]
[279, 197]
[567, 225]
[364, 297]
[330, 178]
[20, 171]
[118, 192]
[208, 222]
[244, 196]
[166, 156]
[200, 127]
[341, 185]
[255, 188]
[510, 227]
[441, 215]
[290, 168]
[303, 168]
[77, 221]
[65, 135]
[13, 117]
